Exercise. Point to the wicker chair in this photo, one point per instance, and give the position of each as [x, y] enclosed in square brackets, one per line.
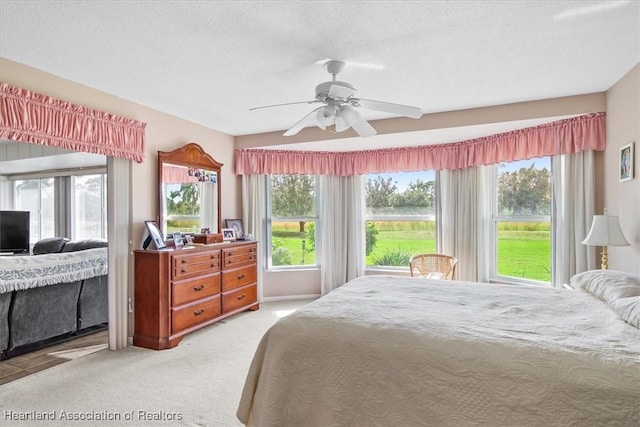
[436, 266]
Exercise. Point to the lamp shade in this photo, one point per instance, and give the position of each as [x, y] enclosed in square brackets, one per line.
[605, 231]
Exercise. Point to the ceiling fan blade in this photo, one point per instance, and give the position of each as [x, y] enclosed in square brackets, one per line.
[342, 91]
[387, 107]
[303, 122]
[280, 105]
[353, 119]
[363, 128]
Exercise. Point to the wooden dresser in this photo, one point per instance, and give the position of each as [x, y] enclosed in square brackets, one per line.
[180, 291]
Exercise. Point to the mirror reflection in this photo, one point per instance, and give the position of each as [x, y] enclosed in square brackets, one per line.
[189, 199]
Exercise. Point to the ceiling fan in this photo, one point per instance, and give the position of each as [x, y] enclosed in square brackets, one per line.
[339, 111]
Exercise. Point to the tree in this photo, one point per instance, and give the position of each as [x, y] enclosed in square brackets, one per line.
[526, 191]
[380, 192]
[185, 200]
[293, 196]
[419, 193]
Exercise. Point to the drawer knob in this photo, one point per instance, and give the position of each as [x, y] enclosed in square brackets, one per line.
[199, 312]
[240, 297]
[198, 288]
[184, 261]
[183, 270]
[241, 276]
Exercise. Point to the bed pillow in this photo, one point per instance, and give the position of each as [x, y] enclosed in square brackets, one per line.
[629, 309]
[609, 285]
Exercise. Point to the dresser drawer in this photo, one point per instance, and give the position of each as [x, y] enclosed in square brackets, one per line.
[239, 298]
[240, 255]
[238, 277]
[184, 266]
[194, 314]
[186, 291]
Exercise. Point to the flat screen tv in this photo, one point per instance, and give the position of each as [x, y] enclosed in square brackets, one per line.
[14, 231]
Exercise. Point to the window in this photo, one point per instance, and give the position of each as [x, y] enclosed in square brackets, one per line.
[71, 206]
[90, 203]
[38, 197]
[292, 220]
[400, 217]
[521, 221]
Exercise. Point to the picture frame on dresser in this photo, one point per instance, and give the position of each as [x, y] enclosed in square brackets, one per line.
[155, 235]
[178, 240]
[237, 226]
[228, 234]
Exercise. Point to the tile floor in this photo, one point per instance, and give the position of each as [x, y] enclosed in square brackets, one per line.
[30, 363]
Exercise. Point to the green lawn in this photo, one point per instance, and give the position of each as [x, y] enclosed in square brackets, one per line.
[521, 253]
[524, 254]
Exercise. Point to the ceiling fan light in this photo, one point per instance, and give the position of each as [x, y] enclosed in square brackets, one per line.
[349, 115]
[341, 125]
[324, 118]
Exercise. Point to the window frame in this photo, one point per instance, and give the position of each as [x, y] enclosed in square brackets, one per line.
[496, 218]
[39, 208]
[71, 209]
[269, 227]
[398, 218]
[69, 199]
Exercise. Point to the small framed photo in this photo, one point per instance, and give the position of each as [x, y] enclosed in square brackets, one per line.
[155, 234]
[626, 162]
[228, 234]
[178, 241]
[237, 226]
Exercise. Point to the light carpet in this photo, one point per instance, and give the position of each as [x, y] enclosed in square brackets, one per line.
[198, 383]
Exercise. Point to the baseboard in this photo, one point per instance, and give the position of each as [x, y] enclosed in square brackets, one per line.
[289, 297]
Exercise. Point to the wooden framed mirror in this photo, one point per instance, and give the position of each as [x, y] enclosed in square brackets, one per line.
[189, 191]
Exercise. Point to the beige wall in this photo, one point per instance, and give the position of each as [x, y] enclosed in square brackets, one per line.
[623, 198]
[555, 107]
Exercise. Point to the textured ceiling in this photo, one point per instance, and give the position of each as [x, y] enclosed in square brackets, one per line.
[210, 61]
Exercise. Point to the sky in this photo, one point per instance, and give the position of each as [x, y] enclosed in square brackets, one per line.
[402, 179]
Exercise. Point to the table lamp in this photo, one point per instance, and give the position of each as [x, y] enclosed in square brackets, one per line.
[605, 231]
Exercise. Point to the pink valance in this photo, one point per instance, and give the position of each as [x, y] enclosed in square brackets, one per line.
[177, 174]
[582, 133]
[39, 119]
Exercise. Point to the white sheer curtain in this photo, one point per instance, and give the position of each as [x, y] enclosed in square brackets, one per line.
[209, 205]
[463, 215]
[573, 208]
[341, 232]
[254, 214]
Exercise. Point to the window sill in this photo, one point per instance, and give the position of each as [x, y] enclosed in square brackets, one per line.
[511, 281]
[400, 271]
[283, 269]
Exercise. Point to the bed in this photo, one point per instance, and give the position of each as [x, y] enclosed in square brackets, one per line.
[397, 351]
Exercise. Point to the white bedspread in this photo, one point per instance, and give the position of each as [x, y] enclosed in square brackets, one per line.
[24, 272]
[391, 351]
